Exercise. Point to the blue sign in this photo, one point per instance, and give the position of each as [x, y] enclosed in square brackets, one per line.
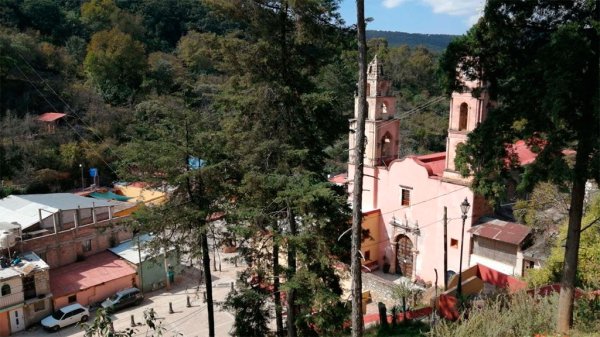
[93, 172]
[195, 163]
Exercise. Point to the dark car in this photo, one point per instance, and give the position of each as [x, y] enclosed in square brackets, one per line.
[123, 298]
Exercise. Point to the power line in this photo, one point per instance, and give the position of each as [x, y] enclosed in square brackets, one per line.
[63, 101]
[69, 124]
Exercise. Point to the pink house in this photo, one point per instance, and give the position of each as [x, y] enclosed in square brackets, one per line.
[412, 193]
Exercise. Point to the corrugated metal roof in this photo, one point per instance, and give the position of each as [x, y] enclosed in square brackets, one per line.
[25, 209]
[50, 116]
[128, 250]
[96, 269]
[502, 231]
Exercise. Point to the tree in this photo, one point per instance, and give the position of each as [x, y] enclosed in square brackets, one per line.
[553, 45]
[167, 138]
[115, 64]
[357, 216]
[281, 119]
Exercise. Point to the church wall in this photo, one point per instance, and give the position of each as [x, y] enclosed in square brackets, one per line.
[427, 200]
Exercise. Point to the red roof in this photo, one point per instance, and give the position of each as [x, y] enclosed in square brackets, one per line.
[435, 163]
[339, 179]
[502, 231]
[50, 116]
[95, 270]
[523, 152]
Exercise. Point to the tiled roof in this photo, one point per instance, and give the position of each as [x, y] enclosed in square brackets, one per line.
[502, 231]
[50, 116]
[435, 163]
[339, 179]
[95, 270]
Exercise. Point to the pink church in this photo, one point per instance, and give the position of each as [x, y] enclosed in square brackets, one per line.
[404, 198]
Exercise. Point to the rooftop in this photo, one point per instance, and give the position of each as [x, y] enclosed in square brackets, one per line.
[129, 250]
[435, 163]
[25, 264]
[95, 270]
[25, 209]
[502, 231]
[50, 116]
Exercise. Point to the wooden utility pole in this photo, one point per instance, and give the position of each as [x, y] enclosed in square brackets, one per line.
[355, 268]
[445, 248]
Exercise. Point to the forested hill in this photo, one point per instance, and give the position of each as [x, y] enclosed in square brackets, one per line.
[433, 42]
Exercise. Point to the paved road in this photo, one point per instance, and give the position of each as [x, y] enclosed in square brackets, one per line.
[187, 322]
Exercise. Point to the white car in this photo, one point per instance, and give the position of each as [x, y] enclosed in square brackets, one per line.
[65, 316]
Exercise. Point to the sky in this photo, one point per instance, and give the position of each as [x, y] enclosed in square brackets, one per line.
[417, 16]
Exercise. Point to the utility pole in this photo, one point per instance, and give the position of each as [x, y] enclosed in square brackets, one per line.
[445, 248]
[355, 267]
[82, 181]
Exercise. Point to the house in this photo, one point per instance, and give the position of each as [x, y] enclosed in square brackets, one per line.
[63, 228]
[92, 280]
[500, 245]
[415, 201]
[25, 295]
[154, 268]
[51, 120]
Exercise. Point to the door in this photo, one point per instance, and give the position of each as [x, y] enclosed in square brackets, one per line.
[17, 322]
[404, 256]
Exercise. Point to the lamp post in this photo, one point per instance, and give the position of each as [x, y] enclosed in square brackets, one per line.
[82, 182]
[464, 207]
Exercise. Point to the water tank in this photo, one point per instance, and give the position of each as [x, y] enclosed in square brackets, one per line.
[7, 239]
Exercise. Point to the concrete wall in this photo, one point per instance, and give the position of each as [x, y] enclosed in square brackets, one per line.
[371, 245]
[153, 272]
[63, 248]
[98, 293]
[4, 324]
[32, 316]
[16, 295]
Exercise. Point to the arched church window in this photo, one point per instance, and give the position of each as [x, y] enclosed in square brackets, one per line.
[462, 120]
[368, 89]
[5, 289]
[386, 146]
[384, 108]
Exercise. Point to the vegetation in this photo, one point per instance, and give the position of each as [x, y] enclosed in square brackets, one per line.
[433, 42]
[554, 45]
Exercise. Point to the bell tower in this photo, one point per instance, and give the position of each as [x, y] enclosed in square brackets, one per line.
[381, 134]
[466, 113]
[381, 127]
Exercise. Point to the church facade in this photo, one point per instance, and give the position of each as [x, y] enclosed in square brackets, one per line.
[405, 200]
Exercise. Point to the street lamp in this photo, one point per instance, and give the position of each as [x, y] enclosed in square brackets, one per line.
[464, 208]
[82, 182]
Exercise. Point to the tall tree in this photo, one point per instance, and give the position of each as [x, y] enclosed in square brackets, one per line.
[357, 216]
[281, 121]
[539, 60]
[115, 64]
[177, 146]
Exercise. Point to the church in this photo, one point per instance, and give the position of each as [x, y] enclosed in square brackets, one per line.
[405, 200]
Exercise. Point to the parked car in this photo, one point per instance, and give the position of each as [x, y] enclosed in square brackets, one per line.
[65, 316]
[123, 298]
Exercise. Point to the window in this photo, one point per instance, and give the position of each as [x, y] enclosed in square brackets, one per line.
[405, 197]
[72, 298]
[453, 243]
[462, 120]
[39, 306]
[5, 289]
[29, 287]
[368, 255]
[87, 245]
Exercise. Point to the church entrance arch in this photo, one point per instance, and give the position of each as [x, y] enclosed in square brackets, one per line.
[404, 256]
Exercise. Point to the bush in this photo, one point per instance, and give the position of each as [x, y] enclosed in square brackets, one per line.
[519, 315]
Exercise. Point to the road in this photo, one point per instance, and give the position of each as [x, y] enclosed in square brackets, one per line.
[187, 322]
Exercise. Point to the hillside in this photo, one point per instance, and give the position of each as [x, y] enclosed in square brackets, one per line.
[434, 42]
